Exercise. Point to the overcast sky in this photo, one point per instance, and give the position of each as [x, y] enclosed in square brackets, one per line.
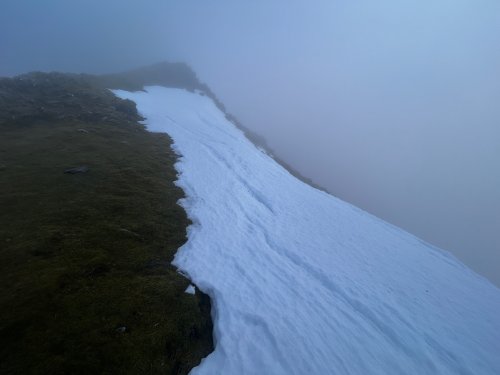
[393, 105]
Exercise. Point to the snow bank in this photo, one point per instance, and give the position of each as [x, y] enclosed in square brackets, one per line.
[304, 283]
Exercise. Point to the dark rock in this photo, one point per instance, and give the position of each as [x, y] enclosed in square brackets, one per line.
[75, 170]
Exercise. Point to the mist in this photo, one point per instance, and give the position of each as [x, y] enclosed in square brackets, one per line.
[390, 105]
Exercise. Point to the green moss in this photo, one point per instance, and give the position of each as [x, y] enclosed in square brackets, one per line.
[83, 255]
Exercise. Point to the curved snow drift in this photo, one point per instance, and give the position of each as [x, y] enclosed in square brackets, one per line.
[304, 283]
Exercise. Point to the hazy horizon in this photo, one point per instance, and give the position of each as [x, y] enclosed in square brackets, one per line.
[392, 106]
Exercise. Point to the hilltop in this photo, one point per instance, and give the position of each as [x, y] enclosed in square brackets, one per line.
[86, 284]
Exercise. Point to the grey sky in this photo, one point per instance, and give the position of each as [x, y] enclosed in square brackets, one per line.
[393, 105]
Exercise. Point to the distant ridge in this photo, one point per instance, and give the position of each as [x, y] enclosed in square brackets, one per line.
[177, 75]
[181, 75]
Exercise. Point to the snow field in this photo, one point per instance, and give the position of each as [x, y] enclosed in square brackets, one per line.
[304, 283]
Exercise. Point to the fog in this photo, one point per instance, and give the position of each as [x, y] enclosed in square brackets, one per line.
[392, 105]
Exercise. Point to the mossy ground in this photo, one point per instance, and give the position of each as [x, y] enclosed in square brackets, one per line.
[83, 255]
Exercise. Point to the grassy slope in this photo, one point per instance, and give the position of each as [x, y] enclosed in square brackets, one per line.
[82, 255]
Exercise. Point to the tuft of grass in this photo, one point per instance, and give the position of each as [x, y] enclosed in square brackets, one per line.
[86, 285]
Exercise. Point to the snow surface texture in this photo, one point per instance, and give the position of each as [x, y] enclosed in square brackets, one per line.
[304, 283]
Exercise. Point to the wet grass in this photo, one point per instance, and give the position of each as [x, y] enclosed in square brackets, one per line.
[86, 285]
